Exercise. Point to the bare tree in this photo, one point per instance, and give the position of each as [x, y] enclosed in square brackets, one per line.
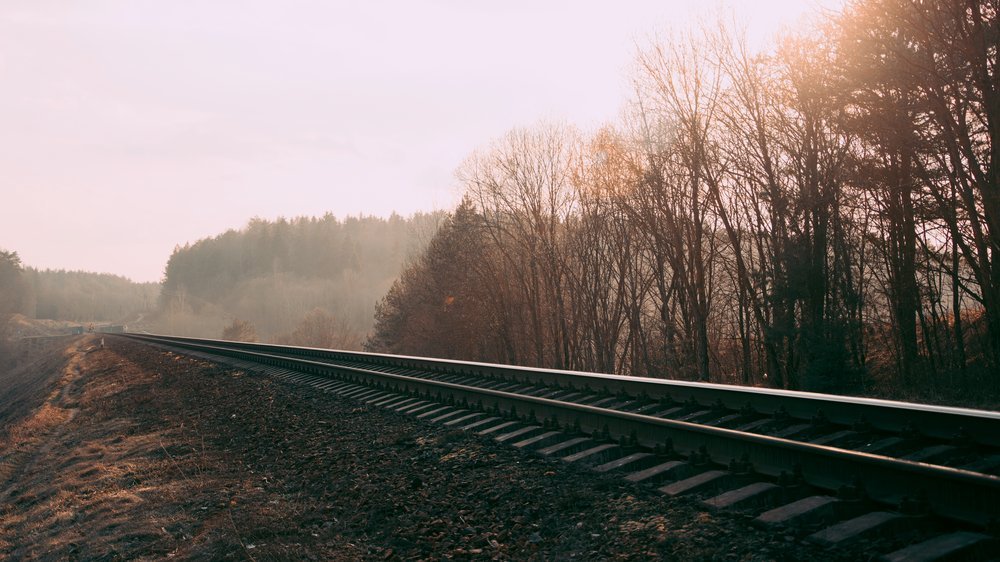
[678, 106]
[521, 188]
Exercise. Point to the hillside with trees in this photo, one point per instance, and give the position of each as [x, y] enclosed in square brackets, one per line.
[75, 296]
[89, 297]
[823, 215]
[307, 280]
[15, 295]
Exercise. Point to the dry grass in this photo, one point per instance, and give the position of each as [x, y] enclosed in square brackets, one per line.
[34, 429]
[101, 470]
[66, 484]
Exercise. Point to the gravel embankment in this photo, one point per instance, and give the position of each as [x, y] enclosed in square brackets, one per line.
[164, 455]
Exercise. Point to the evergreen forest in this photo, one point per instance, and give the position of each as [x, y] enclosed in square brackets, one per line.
[307, 280]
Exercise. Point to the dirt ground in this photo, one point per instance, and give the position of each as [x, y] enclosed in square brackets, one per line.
[137, 453]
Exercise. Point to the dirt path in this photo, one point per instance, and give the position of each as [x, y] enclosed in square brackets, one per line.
[142, 454]
[35, 432]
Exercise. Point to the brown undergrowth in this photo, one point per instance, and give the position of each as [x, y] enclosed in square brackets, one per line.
[85, 484]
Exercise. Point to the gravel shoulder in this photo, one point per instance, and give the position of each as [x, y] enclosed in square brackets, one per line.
[139, 453]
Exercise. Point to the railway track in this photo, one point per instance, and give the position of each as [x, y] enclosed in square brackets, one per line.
[833, 469]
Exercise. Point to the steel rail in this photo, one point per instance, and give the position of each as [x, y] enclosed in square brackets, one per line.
[953, 493]
[940, 422]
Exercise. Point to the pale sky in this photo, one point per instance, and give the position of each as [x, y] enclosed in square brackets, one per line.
[130, 126]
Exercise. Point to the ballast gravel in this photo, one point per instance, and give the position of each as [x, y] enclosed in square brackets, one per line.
[217, 463]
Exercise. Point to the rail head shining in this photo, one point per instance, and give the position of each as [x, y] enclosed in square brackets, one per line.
[942, 422]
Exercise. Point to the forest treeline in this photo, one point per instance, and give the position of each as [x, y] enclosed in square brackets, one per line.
[306, 281]
[81, 296]
[821, 215]
[75, 296]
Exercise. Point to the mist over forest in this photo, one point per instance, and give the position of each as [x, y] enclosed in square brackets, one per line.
[72, 296]
[306, 281]
[276, 280]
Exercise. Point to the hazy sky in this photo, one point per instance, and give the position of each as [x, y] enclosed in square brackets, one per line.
[130, 126]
